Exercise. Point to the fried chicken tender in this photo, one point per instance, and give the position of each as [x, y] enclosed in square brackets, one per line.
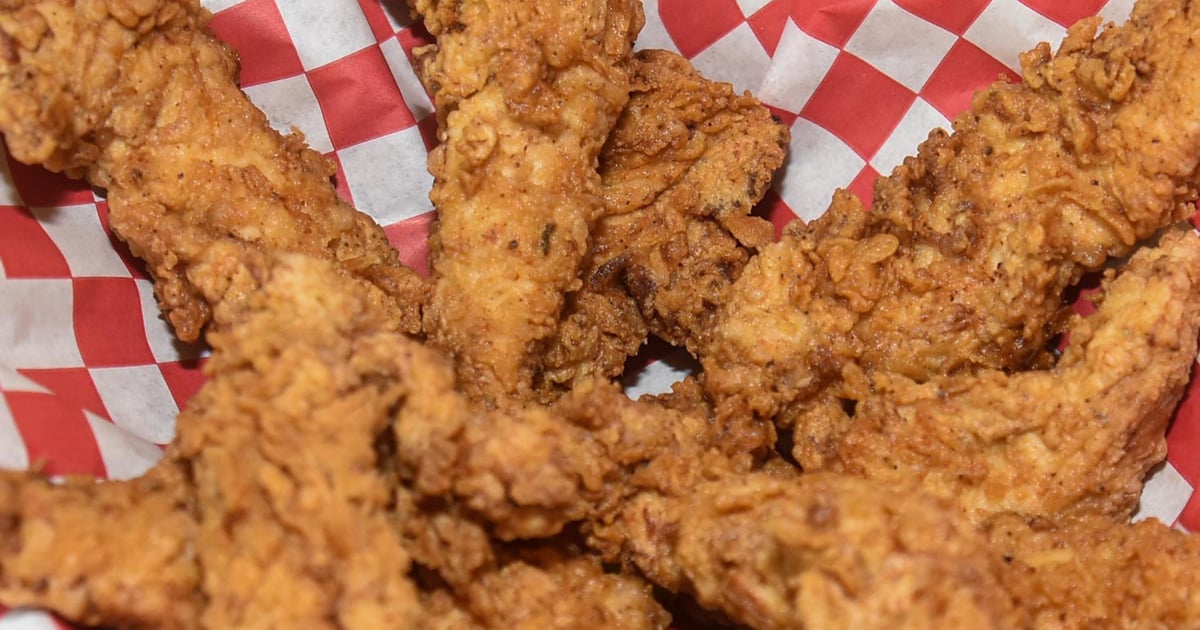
[687, 161]
[479, 582]
[655, 494]
[336, 473]
[771, 548]
[277, 515]
[293, 527]
[281, 503]
[962, 262]
[549, 590]
[817, 551]
[1093, 573]
[140, 99]
[652, 489]
[526, 92]
[554, 592]
[285, 525]
[529, 472]
[113, 554]
[1078, 439]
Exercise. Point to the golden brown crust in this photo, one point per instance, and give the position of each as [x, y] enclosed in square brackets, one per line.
[274, 503]
[334, 474]
[293, 504]
[962, 262]
[817, 551]
[526, 92]
[117, 553]
[140, 99]
[1078, 439]
[1096, 573]
[687, 161]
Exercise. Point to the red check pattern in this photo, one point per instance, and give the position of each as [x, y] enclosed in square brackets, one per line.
[90, 377]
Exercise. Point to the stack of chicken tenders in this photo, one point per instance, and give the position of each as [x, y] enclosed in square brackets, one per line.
[898, 420]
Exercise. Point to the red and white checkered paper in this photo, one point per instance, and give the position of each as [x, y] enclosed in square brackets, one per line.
[91, 377]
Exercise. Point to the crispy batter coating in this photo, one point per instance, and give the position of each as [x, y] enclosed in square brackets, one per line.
[284, 505]
[1094, 573]
[770, 549]
[1076, 439]
[140, 99]
[335, 473]
[115, 553]
[682, 171]
[469, 579]
[963, 260]
[266, 541]
[269, 510]
[549, 589]
[526, 92]
[687, 161]
[817, 551]
[293, 524]
[655, 491]
[529, 472]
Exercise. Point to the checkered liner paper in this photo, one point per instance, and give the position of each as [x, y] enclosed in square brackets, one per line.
[91, 377]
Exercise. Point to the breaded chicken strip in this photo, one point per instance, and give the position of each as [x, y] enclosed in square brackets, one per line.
[293, 509]
[816, 551]
[455, 470]
[116, 553]
[1075, 440]
[270, 509]
[547, 589]
[530, 472]
[471, 580]
[665, 490]
[1093, 573]
[686, 163]
[963, 260]
[526, 92]
[140, 99]
[652, 489]
[282, 504]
